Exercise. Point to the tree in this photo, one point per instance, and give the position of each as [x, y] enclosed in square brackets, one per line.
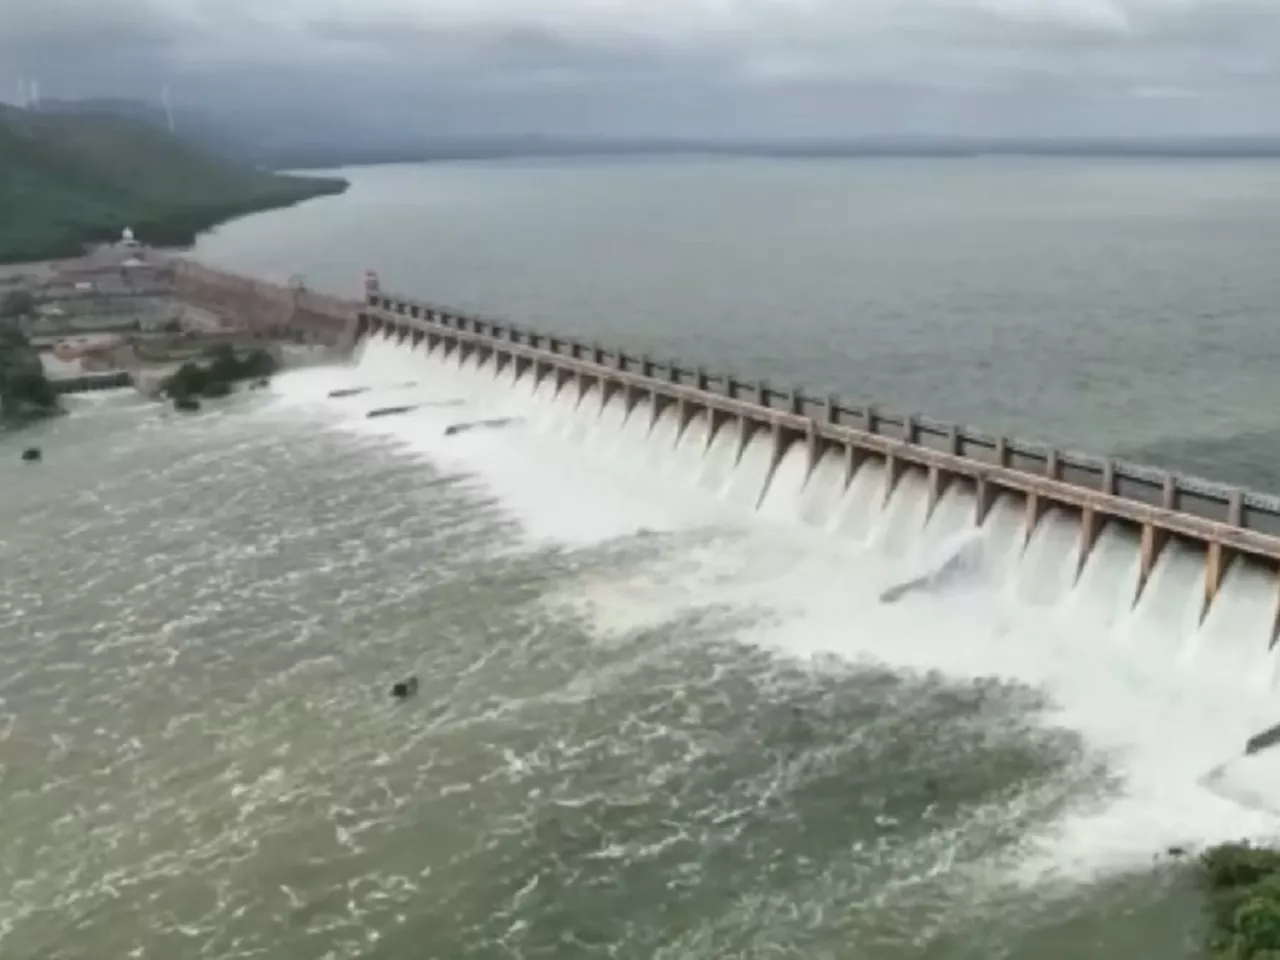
[24, 389]
[17, 303]
[1244, 902]
[225, 368]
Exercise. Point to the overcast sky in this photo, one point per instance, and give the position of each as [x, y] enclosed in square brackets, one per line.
[738, 67]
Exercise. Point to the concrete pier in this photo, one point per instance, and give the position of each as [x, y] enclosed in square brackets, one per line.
[1155, 505]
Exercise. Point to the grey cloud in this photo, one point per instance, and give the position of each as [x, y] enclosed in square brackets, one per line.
[834, 66]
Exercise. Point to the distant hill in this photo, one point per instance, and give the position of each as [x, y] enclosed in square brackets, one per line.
[228, 138]
[321, 134]
[328, 147]
[69, 178]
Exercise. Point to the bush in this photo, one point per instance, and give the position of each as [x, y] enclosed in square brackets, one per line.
[33, 388]
[189, 380]
[1243, 883]
[225, 368]
[24, 389]
[259, 365]
[16, 303]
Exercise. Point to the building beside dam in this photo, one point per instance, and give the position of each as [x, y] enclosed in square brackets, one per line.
[258, 306]
[122, 308]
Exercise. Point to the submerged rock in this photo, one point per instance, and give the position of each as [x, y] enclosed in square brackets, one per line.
[1261, 741]
[31, 454]
[189, 404]
[405, 689]
[390, 411]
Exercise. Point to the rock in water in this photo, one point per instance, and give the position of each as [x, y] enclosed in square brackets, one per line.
[1261, 741]
[390, 411]
[405, 688]
[186, 403]
[31, 454]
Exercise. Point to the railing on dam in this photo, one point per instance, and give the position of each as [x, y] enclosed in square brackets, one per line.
[1142, 484]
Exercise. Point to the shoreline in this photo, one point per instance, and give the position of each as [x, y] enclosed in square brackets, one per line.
[180, 227]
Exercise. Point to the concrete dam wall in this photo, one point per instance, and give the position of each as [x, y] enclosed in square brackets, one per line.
[269, 309]
[1175, 561]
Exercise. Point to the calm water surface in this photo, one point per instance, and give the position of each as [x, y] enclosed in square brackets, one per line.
[1122, 306]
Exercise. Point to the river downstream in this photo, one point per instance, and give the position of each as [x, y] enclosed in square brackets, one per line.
[203, 616]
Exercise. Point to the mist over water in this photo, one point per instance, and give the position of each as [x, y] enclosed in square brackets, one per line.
[662, 710]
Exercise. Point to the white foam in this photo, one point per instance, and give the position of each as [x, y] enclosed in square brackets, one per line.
[606, 435]
[901, 522]
[631, 451]
[564, 421]
[519, 384]
[1107, 587]
[954, 513]
[534, 468]
[691, 448]
[542, 408]
[1048, 567]
[582, 422]
[1164, 698]
[1005, 530]
[1233, 643]
[822, 492]
[862, 503]
[721, 459]
[781, 499]
[660, 442]
[1168, 611]
[746, 484]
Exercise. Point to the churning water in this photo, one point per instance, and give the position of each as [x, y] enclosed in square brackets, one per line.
[662, 712]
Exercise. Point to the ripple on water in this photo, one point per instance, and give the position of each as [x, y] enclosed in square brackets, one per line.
[199, 758]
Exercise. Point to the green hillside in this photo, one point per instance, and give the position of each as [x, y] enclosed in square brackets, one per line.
[67, 180]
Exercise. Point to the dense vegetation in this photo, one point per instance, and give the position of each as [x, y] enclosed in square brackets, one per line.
[217, 378]
[25, 392]
[67, 180]
[1244, 897]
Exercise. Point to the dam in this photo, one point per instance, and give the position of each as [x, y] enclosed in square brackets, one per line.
[1206, 555]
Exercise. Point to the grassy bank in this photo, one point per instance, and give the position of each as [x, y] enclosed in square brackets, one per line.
[70, 180]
